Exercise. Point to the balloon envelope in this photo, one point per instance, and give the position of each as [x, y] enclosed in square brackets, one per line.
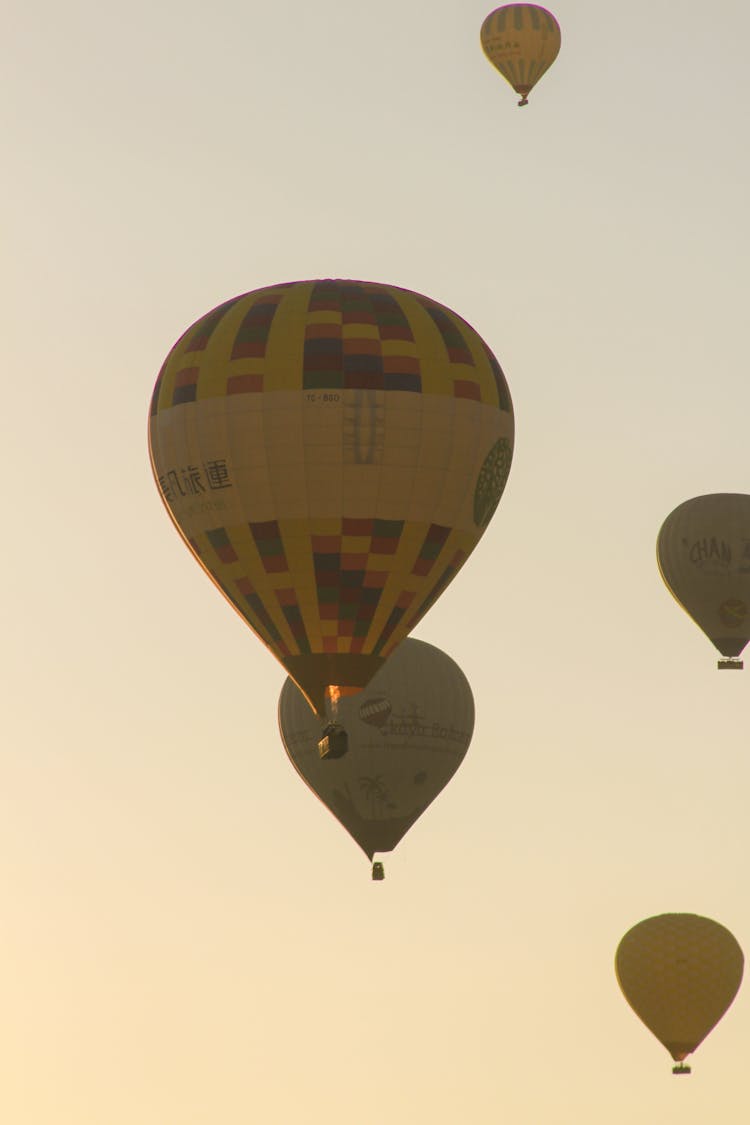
[703, 552]
[521, 41]
[408, 734]
[331, 452]
[679, 973]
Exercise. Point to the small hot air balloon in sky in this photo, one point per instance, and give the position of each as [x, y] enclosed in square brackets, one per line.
[408, 733]
[521, 41]
[703, 551]
[331, 452]
[679, 973]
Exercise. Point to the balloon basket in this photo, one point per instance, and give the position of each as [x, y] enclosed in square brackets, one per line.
[681, 1068]
[735, 664]
[378, 872]
[334, 742]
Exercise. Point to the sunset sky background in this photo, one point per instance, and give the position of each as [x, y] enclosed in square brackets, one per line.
[187, 936]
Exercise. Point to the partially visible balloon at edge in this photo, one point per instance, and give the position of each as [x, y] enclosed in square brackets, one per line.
[395, 767]
[703, 553]
[331, 452]
[521, 41]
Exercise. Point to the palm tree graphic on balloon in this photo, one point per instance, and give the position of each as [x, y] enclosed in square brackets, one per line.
[375, 791]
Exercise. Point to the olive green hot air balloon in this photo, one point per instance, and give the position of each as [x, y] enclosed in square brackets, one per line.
[703, 552]
[521, 41]
[408, 732]
[679, 973]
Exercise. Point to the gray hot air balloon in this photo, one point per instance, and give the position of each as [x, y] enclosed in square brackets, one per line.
[703, 551]
[408, 732]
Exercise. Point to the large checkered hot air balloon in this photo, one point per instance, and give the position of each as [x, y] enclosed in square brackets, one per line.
[331, 452]
[679, 973]
[521, 41]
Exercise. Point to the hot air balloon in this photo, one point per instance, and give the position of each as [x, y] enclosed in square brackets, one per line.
[331, 452]
[521, 41]
[408, 733]
[703, 552]
[679, 973]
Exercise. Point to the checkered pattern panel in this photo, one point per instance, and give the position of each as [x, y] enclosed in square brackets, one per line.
[350, 593]
[330, 335]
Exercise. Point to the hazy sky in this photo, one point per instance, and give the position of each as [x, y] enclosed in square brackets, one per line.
[187, 937]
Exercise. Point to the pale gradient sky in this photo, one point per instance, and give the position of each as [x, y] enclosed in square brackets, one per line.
[187, 937]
